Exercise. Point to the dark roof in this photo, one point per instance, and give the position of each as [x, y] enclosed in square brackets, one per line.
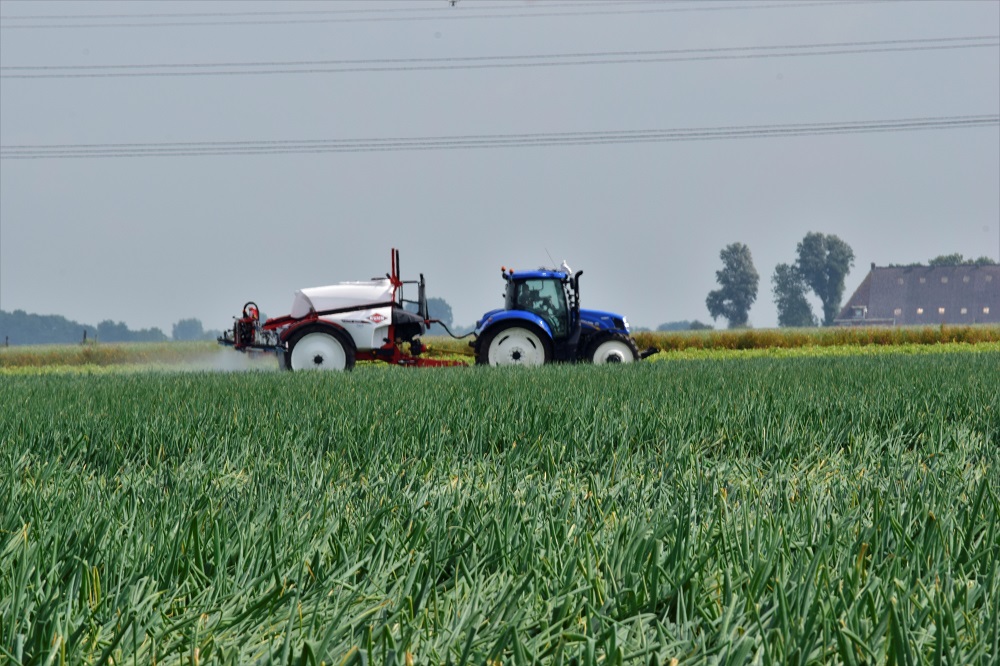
[913, 295]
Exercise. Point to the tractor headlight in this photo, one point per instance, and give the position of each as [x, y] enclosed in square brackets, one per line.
[623, 323]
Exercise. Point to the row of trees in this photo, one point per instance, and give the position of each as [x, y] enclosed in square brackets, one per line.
[23, 328]
[959, 260]
[821, 266]
[191, 329]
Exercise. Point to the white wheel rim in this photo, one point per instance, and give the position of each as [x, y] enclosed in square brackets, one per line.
[516, 346]
[318, 351]
[613, 351]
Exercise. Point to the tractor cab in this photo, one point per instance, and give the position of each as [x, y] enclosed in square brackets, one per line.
[551, 295]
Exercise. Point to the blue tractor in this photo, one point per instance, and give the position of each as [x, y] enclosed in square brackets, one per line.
[542, 321]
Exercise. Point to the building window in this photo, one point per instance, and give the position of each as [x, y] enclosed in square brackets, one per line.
[898, 312]
[920, 310]
[899, 280]
[944, 279]
[940, 310]
[923, 280]
[965, 279]
[989, 278]
[965, 310]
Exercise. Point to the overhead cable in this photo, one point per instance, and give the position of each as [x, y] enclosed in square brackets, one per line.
[396, 8]
[483, 141]
[494, 61]
[445, 15]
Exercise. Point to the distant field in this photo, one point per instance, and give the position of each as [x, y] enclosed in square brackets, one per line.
[123, 356]
[819, 337]
[817, 510]
[674, 345]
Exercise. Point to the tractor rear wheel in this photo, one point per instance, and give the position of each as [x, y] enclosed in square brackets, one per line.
[514, 344]
[319, 350]
[612, 348]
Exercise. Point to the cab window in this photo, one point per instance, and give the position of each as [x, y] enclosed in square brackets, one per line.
[546, 298]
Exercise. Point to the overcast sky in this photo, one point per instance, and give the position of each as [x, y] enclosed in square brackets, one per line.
[152, 239]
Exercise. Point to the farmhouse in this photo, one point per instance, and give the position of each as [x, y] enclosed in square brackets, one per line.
[915, 295]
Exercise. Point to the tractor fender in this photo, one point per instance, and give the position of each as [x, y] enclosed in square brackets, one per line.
[310, 325]
[487, 317]
[493, 319]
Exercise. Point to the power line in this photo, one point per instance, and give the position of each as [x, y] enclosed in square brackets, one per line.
[447, 15]
[921, 40]
[484, 141]
[314, 12]
[495, 62]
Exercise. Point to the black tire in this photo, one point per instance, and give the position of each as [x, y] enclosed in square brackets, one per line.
[341, 338]
[500, 333]
[611, 348]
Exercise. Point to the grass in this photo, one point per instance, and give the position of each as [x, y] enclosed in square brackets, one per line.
[769, 510]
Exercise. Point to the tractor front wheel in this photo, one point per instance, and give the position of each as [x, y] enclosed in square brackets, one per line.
[319, 350]
[514, 345]
[613, 348]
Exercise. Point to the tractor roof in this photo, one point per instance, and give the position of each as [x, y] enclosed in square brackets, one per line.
[536, 275]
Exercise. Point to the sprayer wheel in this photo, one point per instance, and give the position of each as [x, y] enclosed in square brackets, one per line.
[320, 350]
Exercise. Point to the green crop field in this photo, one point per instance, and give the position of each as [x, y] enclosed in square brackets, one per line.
[800, 510]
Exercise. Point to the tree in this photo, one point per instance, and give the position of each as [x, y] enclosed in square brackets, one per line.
[149, 335]
[948, 260]
[437, 308]
[959, 260]
[790, 297]
[188, 329]
[824, 262]
[738, 282]
[21, 328]
[684, 325]
[109, 331]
